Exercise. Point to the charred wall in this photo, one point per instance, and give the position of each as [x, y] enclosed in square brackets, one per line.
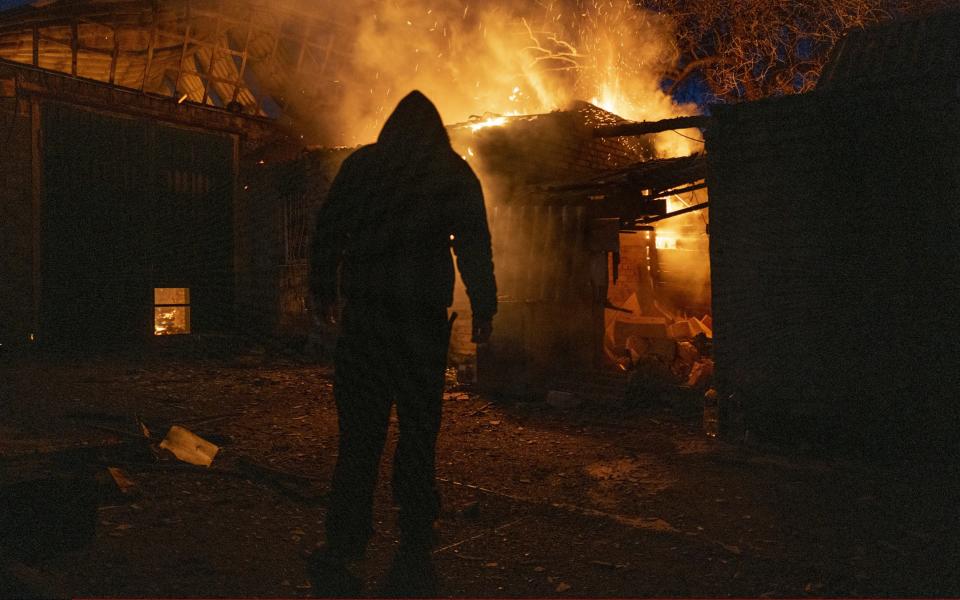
[836, 279]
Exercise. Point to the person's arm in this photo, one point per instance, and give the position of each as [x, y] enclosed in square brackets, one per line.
[471, 244]
[328, 243]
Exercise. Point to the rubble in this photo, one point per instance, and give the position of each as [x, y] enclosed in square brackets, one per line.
[688, 353]
[189, 447]
[689, 328]
[126, 485]
[665, 349]
[663, 354]
[701, 374]
[646, 327]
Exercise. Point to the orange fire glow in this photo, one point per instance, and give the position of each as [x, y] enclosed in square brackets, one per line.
[502, 59]
[666, 243]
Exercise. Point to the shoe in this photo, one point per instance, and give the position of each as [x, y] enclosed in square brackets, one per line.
[411, 575]
[331, 576]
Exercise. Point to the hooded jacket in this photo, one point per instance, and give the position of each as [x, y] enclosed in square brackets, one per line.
[392, 215]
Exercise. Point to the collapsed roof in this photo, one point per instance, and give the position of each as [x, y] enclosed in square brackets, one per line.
[243, 55]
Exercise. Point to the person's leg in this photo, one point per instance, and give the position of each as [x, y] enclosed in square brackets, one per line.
[419, 407]
[363, 412]
[419, 398]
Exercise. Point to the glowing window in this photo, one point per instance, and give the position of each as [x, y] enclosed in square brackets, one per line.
[171, 311]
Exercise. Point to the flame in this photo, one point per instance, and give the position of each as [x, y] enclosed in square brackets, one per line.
[492, 122]
[165, 322]
[499, 58]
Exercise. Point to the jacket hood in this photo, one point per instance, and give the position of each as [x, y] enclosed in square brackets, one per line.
[415, 124]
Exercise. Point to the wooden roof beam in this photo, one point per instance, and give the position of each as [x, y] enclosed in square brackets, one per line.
[646, 127]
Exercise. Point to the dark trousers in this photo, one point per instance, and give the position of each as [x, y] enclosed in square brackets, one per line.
[385, 355]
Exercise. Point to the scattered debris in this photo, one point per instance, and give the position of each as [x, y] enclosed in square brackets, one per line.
[126, 485]
[640, 326]
[701, 374]
[650, 523]
[189, 447]
[731, 548]
[205, 420]
[469, 557]
[143, 427]
[687, 353]
[480, 410]
[704, 344]
[450, 378]
[563, 587]
[689, 329]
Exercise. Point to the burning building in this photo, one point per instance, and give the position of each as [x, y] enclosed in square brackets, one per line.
[572, 202]
[141, 136]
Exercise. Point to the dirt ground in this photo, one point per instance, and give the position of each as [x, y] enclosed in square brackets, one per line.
[597, 500]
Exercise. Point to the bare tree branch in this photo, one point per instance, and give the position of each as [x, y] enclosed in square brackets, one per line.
[749, 49]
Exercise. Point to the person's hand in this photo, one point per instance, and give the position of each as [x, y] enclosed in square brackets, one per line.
[482, 328]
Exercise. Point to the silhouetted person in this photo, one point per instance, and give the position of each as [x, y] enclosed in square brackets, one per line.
[385, 232]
